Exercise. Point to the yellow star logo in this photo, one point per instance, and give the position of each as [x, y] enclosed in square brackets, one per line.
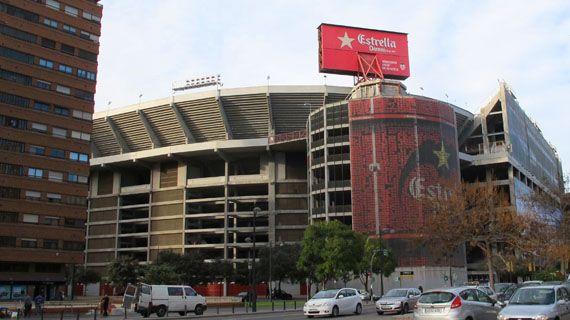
[346, 41]
[442, 157]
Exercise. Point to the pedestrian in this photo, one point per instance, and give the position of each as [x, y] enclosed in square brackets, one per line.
[27, 306]
[105, 305]
[421, 289]
[39, 301]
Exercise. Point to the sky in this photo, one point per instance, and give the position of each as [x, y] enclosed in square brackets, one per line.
[459, 50]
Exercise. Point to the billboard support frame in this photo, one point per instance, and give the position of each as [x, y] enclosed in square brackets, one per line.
[368, 67]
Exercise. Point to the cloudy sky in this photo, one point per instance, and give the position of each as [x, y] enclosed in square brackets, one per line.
[458, 49]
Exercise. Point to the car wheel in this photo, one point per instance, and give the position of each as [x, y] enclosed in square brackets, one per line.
[380, 313]
[335, 311]
[358, 309]
[161, 311]
[405, 308]
[145, 314]
[199, 310]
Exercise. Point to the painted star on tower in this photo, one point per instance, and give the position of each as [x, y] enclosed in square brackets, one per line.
[346, 40]
[442, 157]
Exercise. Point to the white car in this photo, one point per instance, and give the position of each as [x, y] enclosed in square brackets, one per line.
[162, 299]
[333, 303]
[538, 302]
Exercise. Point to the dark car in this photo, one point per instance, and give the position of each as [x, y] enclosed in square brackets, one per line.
[506, 294]
[281, 295]
[245, 296]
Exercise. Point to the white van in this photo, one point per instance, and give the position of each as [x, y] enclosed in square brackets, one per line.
[162, 299]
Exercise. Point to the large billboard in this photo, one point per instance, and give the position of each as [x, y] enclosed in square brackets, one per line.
[340, 47]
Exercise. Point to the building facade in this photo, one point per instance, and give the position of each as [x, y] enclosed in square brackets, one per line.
[185, 173]
[48, 68]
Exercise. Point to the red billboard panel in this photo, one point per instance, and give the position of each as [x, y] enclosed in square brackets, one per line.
[340, 46]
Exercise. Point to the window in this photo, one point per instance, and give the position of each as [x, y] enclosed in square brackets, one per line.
[35, 173]
[82, 115]
[71, 11]
[83, 95]
[11, 193]
[29, 243]
[13, 122]
[73, 246]
[21, 13]
[8, 216]
[55, 176]
[52, 4]
[11, 169]
[46, 63]
[59, 132]
[73, 200]
[63, 89]
[73, 177]
[14, 100]
[43, 84]
[57, 153]
[65, 69]
[87, 55]
[80, 135]
[41, 106]
[86, 74]
[48, 43]
[50, 23]
[39, 127]
[18, 34]
[30, 218]
[67, 49]
[50, 244]
[189, 291]
[7, 241]
[74, 223]
[91, 17]
[37, 150]
[175, 291]
[69, 29]
[11, 145]
[20, 56]
[52, 221]
[54, 197]
[61, 110]
[81, 157]
[15, 77]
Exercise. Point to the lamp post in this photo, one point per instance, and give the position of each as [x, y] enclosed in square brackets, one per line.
[256, 210]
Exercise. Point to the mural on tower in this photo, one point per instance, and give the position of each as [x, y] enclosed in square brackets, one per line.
[416, 156]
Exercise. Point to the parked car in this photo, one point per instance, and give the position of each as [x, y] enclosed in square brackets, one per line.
[281, 295]
[398, 301]
[456, 303]
[502, 286]
[538, 302]
[333, 303]
[506, 294]
[364, 295]
[532, 283]
[244, 296]
[162, 299]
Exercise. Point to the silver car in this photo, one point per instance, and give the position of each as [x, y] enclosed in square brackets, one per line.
[398, 301]
[456, 303]
[538, 303]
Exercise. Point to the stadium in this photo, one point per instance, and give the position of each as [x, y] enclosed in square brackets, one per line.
[189, 172]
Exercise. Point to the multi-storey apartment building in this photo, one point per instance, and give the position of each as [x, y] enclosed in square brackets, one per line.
[48, 71]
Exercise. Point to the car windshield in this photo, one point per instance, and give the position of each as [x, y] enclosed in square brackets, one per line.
[326, 294]
[543, 296]
[396, 293]
[436, 297]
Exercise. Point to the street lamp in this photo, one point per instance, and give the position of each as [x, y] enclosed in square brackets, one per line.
[256, 210]
[385, 253]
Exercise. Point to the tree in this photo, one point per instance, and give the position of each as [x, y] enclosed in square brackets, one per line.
[329, 250]
[382, 258]
[283, 260]
[481, 215]
[163, 273]
[125, 270]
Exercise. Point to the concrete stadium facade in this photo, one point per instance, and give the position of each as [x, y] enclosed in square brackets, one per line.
[185, 173]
